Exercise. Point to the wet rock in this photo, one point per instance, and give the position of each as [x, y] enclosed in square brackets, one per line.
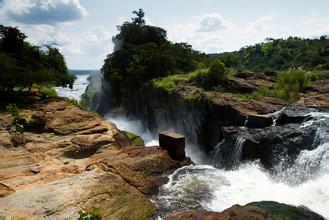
[268, 145]
[277, 210]
[135, 139]
[264, 210]
[293, 115]
[258, 121]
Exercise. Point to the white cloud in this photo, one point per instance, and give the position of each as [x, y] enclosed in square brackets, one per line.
[211, 22]
[86, 49]
[261, 23]
[212, 33]
[47, 12]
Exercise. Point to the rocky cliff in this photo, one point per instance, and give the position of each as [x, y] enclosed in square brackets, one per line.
[216, 119]
[70, 160]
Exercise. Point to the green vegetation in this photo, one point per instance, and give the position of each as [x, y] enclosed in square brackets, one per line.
[281, 54]
[92, 215]
[288, 85]
[47, 92]
[213, 76]
[135, 139]
[13, 110]
[143, 53]
[22, 65]
[170, 82]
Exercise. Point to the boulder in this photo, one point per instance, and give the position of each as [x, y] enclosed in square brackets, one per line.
[293, 115]
[258, 121]
[174, 143]
[74, 162]
[277, 210]
[268, 145]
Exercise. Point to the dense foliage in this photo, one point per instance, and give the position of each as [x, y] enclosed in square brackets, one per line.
[22, 64]
[142, 53]
[281, 54]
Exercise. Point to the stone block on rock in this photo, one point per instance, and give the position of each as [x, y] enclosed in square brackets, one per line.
[174, 143]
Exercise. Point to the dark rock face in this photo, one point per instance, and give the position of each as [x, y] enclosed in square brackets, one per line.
[277, 210]
[293, 115]
[256, 210]
[268, 145]
[257, 121]
[160, 111]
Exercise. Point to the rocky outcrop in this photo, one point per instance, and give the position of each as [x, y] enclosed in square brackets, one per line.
[73, 160]
[204, 118]
[264, 210]
[199, 115]
[295, 130]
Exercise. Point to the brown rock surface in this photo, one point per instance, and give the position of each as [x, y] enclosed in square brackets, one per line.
[70, 160]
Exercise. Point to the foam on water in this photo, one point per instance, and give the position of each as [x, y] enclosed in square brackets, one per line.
[305, 182]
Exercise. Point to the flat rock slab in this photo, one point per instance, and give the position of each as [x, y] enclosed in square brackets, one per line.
[71, 160]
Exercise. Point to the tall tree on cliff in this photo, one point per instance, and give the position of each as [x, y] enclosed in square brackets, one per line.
[144, 54]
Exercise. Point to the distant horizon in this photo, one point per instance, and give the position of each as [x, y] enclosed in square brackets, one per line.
[83, 30]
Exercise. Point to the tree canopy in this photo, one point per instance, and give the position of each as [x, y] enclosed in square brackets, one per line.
[281, 54]
[23, 64]
[144, 53]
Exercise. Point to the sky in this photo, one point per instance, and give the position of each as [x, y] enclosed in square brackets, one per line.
[83, 29]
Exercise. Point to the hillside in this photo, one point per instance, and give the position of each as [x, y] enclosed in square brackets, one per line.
[280, 54]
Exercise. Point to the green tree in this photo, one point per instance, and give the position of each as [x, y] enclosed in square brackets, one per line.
[22, 64]
[139, 20]
[144, 54]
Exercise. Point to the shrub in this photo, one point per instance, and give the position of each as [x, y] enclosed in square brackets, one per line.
[47, 92]
[289, 84]
[13, 110]
[214, 76]
[92, 215]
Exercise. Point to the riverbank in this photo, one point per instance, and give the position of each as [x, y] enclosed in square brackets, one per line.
[71, 160]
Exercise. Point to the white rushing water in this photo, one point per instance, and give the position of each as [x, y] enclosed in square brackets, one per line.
[78, 89]
[130, 124]
[304, 183]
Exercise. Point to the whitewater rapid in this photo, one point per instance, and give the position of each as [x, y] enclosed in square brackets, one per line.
[199, 186]
[304, 183]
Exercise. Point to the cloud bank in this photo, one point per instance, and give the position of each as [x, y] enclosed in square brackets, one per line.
[47, 12]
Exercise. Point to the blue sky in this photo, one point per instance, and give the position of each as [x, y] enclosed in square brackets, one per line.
[83, 29]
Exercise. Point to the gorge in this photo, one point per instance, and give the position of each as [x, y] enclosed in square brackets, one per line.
[279, 156]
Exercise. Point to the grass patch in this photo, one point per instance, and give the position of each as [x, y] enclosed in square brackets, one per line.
[170, 82]
[318, 74]
[288, 85]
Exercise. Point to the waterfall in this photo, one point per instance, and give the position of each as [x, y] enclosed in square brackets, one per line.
[304, 182]
[238, 149]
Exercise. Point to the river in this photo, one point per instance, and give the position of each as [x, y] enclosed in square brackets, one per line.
[203, 186]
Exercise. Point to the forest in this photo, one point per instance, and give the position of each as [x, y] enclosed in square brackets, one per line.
[23, 65]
